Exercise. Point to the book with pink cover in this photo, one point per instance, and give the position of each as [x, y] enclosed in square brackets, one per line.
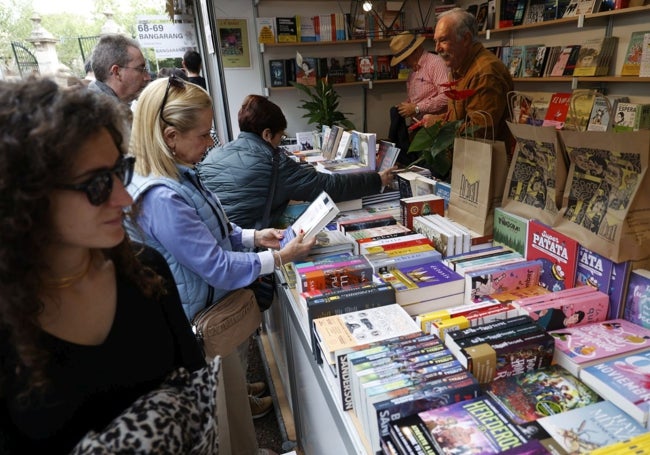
[581, 346]
[558, 252]
[483, 282]
[566, 312]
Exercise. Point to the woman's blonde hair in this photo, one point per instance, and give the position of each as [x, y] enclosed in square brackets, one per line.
[182, 111]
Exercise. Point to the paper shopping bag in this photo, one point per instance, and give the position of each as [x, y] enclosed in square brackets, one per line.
[606, 205]
[478, 175]
[537, 174]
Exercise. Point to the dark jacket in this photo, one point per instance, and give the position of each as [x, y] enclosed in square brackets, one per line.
[240, 174]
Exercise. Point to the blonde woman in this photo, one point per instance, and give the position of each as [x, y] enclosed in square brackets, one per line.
[180, 218]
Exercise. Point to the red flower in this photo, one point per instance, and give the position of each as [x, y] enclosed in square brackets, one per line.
[459, 94]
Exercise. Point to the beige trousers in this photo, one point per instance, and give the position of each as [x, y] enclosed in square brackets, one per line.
[236, 429]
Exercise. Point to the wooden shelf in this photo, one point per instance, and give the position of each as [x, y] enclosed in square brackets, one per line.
[362, 41]
[347, 84]
[567, 20]
[583, 79]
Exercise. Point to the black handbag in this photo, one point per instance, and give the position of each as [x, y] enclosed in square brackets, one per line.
[264, 286]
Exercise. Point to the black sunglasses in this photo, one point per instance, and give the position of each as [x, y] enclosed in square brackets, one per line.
[172, 81]
[98, 188]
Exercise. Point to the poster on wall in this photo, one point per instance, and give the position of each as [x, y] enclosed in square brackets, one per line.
[233, 39]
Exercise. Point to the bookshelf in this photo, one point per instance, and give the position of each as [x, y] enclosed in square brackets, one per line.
[574, 30]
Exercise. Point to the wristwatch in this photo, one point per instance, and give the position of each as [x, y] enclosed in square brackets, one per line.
[417, 110]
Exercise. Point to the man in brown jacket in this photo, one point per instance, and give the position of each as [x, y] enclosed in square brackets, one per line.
[473, 68]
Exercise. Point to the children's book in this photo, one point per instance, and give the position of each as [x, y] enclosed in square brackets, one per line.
[582, 430]
[483, 282]
[580, 346]
[558, 252]
[637, 303]
[599, 118]
[540, 393]
[510, 230]
[593, 270]
[625, 381]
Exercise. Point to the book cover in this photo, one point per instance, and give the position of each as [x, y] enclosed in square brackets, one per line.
[443, 239]
[364, 148]
[383, 69]
[306, 70]
[593, 270]
[365, 67]
[335, 277]
[471, 426]
[414, 206]
[481, 15]
[265, 30]
[339, 333]
[335, 70]
[385, 261]
[496, 250]
[532, 60]
[590, 57]
[510, 230]
[540, 393]
[618, 288]
[599, 117]
[355, 224]
[581, 103]
[625, 116]
[380, 231]
[558, 253]
[585, 429]
[277, 71]
[534, 12]
[515, 60]
[424, 185]
[510, 356]
[383, 146]
[393, 243]
[286, 29]
[580, 346]
[307, 31]
[637, 302]
[486, 281]
[318, 215]
[423, 282]
[561, 313]
[514, 296]
[563, 60]
[625, 381]
[632, 61]
[350, 69]
[558, 109]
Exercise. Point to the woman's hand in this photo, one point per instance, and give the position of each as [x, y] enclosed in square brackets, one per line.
[387, 176]
[269, 238]
[297, 248]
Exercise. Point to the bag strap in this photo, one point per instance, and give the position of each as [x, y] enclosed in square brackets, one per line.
[266, 218]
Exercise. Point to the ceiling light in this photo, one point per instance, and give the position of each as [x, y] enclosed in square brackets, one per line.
[367, 6]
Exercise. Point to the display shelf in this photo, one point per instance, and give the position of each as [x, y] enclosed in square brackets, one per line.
[322, 427]
[586, 79]
[567, 20]
[348, 84]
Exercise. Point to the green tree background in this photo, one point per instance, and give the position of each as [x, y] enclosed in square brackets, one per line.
[16, 25]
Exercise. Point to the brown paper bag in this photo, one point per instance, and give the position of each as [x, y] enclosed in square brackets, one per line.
[478, 175]
[606, 205]
[537, 174]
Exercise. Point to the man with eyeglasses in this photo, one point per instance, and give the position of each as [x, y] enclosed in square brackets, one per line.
[120, 68]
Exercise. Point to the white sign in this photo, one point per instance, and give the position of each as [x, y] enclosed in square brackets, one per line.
[169, 40]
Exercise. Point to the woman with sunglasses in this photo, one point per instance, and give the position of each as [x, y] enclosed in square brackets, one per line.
[208, 255]
[74, 293]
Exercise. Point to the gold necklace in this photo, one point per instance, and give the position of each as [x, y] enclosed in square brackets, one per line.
[67, 281]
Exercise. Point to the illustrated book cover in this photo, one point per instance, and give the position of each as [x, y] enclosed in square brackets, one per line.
[558, 252]
[510, 230]
[580, 346]
[637, 302]
[540, 393]
[632, 62]
[481, 283]
[558, 109]
[319, 214]
[625, 381]
[582, 430]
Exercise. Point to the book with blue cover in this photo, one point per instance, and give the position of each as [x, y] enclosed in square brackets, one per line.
[625, 381]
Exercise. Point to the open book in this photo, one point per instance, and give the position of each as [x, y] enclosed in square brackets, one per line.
[318, 215]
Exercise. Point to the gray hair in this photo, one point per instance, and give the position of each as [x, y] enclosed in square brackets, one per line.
[463, 22]
[111, 50]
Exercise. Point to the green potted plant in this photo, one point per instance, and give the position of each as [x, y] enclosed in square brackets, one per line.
[322, 105]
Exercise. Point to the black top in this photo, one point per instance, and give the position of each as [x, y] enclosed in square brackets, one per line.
[91, 385]
[198, 80]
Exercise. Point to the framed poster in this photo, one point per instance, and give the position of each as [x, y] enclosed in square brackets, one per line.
[233, 41]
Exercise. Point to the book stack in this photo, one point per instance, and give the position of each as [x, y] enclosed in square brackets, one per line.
[331, 275]
[426, 287]
[392, 242]
[450, 238]
[421, 205]
[481, 283]
[458, 261]
[566, 308]
[403, 378]
[463, 316]
[329, 242]
[501, 348]
[387, 154]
